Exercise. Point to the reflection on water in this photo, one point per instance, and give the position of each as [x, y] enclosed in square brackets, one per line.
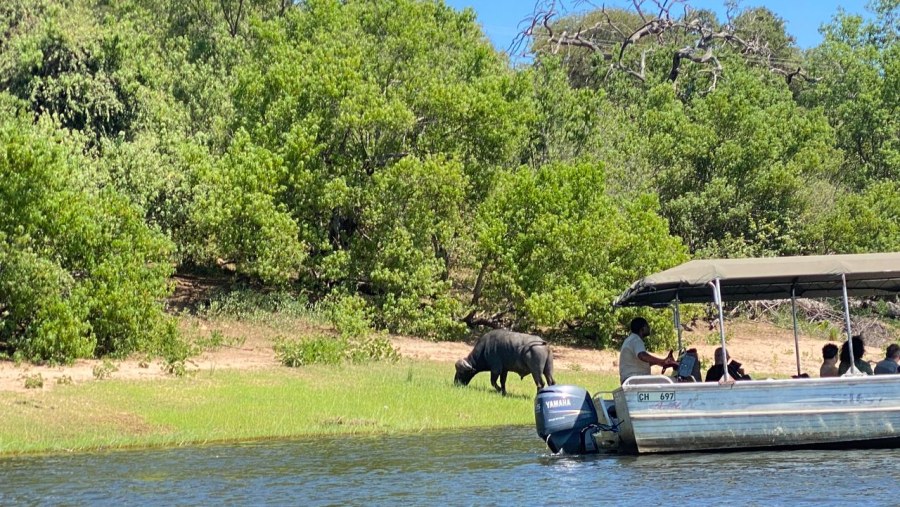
[498, 466]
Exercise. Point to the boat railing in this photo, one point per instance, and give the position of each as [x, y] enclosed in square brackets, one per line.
[648, 379]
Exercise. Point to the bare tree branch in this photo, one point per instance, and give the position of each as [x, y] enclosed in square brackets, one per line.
[232, 15]
[494, 321]
[798, 72]
[703, 44]
[637, 8]
[637, 74]
[609, 23]
[479, 283]
[653, 27]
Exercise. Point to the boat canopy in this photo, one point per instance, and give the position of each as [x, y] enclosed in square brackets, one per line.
[813, 276]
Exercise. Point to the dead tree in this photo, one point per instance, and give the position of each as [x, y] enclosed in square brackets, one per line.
[612, 41]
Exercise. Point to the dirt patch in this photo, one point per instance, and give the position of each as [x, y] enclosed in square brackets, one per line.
[248, 347]
[763, 349]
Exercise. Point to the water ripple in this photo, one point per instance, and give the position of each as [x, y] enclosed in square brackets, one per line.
[498, 466]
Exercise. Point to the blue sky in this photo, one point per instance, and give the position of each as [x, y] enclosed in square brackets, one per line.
[500, 18]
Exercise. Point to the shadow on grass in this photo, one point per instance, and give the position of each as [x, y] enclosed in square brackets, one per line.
[491, 390]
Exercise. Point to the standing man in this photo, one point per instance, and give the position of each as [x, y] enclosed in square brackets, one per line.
[634, 358]
[890, 362]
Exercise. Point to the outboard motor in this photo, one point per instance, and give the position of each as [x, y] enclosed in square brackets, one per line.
[566, 419]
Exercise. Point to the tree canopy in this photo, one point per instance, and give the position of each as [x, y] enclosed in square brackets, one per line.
[385, 155]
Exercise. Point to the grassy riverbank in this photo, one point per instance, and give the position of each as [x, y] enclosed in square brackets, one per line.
[235, 389]
[229, 405]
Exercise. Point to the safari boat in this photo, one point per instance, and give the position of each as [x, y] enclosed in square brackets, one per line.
[656, 413]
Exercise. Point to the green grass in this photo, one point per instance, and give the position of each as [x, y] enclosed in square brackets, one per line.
[231, 405]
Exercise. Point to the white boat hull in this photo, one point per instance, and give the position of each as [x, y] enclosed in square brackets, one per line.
[666, 417]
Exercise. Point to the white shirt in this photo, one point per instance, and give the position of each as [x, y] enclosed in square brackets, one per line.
[629, 363]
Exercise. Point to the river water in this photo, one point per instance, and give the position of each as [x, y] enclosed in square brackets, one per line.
[497, 466]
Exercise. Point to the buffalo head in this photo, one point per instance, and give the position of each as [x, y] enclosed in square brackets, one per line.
[464, 372]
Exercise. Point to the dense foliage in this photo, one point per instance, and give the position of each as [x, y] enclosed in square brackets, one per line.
[384, 159]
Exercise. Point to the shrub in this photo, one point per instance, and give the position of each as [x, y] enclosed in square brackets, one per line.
[372, 348]
[245, 303]
[35, 381]
[176, 367]
[41, 320]
[237, 213]
[350, 315]
[82, 275]
[104, 370]
[311, 350]
[322, 349]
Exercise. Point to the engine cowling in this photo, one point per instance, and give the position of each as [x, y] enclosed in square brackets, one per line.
[566, 419]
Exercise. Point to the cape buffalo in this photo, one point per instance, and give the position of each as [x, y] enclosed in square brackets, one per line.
[500, 352]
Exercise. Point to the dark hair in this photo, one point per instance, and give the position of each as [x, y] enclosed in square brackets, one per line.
[637, 324]
[858, 350]
[829, 351]
[893, 350]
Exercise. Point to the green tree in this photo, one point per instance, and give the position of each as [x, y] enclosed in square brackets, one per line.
[735, 168]
[343, 94]
[859, 67]
[556, 251]
[412, 223]
[80, 273]
[860, 223]
[237, 215]
[59, 60]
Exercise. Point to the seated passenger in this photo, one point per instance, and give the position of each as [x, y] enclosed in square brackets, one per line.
[688, 367]
[829, 366]
[890, 362]
[716, 372]
[858, 350]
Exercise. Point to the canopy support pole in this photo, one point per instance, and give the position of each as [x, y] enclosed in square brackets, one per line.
[717, 297]
[796, 334]
[853, 370]
[676, 314]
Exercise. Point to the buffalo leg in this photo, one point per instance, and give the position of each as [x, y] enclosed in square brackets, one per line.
[503, 381]
[494, 376]
[538, 381]
[548, 371]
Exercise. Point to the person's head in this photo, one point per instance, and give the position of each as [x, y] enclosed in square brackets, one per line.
[829, 352]
[893, 352]
[640, 326]
[721, 358]
[858, 349]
